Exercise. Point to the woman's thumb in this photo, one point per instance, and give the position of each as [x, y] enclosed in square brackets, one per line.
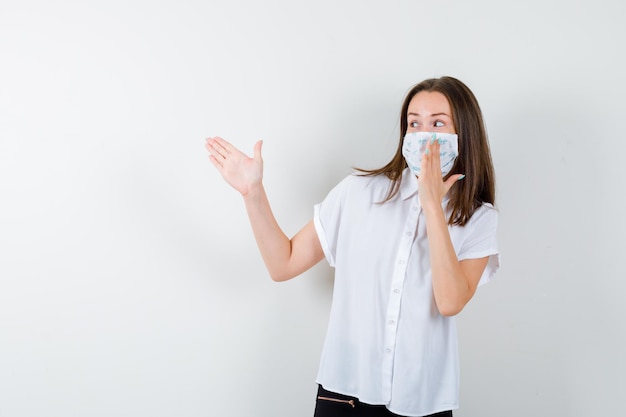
[257, 149]
[452, 180]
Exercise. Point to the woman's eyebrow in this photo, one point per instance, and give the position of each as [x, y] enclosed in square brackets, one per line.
[432, 115]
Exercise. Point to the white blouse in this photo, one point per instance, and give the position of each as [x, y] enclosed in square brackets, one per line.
[387, 343]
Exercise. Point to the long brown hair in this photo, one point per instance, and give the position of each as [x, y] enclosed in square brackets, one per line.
[474, 158]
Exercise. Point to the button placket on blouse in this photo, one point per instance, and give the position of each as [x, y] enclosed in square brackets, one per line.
[395, 297]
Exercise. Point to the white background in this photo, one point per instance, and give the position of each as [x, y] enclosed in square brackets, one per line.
[130, 283]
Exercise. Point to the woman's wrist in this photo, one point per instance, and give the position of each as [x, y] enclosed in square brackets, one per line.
[254, 190]
[433, 211]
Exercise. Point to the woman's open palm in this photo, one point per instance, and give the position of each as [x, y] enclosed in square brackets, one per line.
[238, 169]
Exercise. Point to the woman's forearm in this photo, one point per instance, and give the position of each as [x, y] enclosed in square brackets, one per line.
[273, 244]
[284, 258]
[451, 286]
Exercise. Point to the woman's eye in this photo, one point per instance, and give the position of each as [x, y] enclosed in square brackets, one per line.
[413, 124]
[438, 123]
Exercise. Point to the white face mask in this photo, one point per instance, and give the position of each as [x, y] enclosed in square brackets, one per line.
[414, 146]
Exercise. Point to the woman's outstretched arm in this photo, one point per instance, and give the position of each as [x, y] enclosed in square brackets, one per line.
[284, 258]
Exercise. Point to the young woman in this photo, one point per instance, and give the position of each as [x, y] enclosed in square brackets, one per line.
[410, 243]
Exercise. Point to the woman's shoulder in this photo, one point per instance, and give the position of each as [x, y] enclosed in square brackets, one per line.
[371, 185]
[358, 185]
[358, 180]
[487, 208]
[486, 213]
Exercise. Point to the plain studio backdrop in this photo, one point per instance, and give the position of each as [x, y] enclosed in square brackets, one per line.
[130, 282]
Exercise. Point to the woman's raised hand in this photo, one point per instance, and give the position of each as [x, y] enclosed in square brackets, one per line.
[432, 188]
[240, 171]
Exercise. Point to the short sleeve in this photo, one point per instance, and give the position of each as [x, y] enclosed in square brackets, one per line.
[482, 241]
[327, 218]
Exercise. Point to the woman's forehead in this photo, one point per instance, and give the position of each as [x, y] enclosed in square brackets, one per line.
[429, 103]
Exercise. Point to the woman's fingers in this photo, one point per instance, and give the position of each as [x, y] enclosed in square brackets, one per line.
[221, 152]
[433, 166]
[215, 162]
[225, 147]
[430, 159]
[216, 146]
